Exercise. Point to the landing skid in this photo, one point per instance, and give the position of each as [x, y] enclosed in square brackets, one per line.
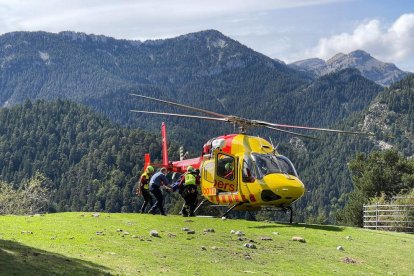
[283, 209]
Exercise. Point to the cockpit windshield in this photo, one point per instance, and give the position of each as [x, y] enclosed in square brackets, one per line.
[269, 163]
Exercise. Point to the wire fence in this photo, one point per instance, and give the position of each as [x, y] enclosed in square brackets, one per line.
[389, 217]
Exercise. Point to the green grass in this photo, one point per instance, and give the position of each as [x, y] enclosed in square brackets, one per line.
[67, 243]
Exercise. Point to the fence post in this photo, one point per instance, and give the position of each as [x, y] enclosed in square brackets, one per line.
[376, 216]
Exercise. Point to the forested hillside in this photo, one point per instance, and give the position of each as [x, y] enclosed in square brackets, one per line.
[324, 164]
[92, 163]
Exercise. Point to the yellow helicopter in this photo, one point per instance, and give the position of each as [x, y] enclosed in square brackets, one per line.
[240, 171]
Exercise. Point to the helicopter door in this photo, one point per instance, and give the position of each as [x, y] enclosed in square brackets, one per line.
[225, 177]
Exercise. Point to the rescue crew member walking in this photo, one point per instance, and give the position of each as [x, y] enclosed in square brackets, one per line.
[143, 187]
[189, 182]
[158, 180]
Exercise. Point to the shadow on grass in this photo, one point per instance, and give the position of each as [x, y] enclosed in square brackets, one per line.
[296, 225]
[19, 259]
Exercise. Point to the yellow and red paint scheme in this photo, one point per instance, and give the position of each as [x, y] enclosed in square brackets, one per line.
[278, 189]
[249, 188]
[270, 190]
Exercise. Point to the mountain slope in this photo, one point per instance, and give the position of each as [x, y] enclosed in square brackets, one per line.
[323, 166]
[204, 69]
[330, 99]
[382, 73]
[76, 66]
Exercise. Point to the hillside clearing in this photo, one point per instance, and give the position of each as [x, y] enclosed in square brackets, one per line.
[81, 243]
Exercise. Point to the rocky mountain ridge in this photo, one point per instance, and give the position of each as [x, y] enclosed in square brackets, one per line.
[382, 73]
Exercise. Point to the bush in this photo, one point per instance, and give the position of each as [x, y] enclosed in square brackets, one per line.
[31, 197]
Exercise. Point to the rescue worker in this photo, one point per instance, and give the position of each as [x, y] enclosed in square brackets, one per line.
[189, 182]
[228, 173]
[143, 187]
[157, 181]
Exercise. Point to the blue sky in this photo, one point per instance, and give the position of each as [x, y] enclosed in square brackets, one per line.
[288, 30]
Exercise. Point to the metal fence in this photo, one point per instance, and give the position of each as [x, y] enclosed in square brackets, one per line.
[389, 217]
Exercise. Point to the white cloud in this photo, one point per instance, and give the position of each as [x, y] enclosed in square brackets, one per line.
[394, 43]
[130, 18]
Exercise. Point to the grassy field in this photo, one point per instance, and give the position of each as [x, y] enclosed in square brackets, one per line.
[120, 244]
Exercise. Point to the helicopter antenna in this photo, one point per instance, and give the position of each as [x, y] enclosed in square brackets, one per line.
[271, 142]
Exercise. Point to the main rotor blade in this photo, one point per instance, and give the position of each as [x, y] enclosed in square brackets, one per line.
[181, 115]
[262, 123]
[181, 105]
[293, 133]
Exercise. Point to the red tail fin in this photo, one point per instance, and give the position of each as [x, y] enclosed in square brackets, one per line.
[164, 144]
[147, 160]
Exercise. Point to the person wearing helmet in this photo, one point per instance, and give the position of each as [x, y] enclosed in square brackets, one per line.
[157, 181]
[228, 173]
[189, 182]
[143, 188]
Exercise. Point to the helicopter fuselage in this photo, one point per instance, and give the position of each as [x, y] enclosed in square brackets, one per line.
[260, 176]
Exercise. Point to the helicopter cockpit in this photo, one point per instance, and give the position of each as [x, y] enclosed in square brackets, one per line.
[259, 165]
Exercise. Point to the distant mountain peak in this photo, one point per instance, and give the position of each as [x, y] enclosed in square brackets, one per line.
[382, 73]
[336, 57]
[359, 53]
[212, 34]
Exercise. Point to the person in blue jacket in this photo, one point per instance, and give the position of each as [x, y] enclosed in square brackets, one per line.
[157, 181]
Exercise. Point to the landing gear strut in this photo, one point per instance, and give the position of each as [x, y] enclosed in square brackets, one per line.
[199, 205]
[291, 213]
[231, 208]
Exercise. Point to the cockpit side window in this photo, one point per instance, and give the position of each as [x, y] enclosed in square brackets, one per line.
[225, 166]
[248, 173]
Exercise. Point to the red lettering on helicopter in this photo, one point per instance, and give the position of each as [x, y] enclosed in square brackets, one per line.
[224, 186]
[209, 191]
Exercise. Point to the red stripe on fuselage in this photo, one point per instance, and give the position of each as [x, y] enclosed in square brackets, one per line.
[230, 198]
[252, 198]
[229, 140]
